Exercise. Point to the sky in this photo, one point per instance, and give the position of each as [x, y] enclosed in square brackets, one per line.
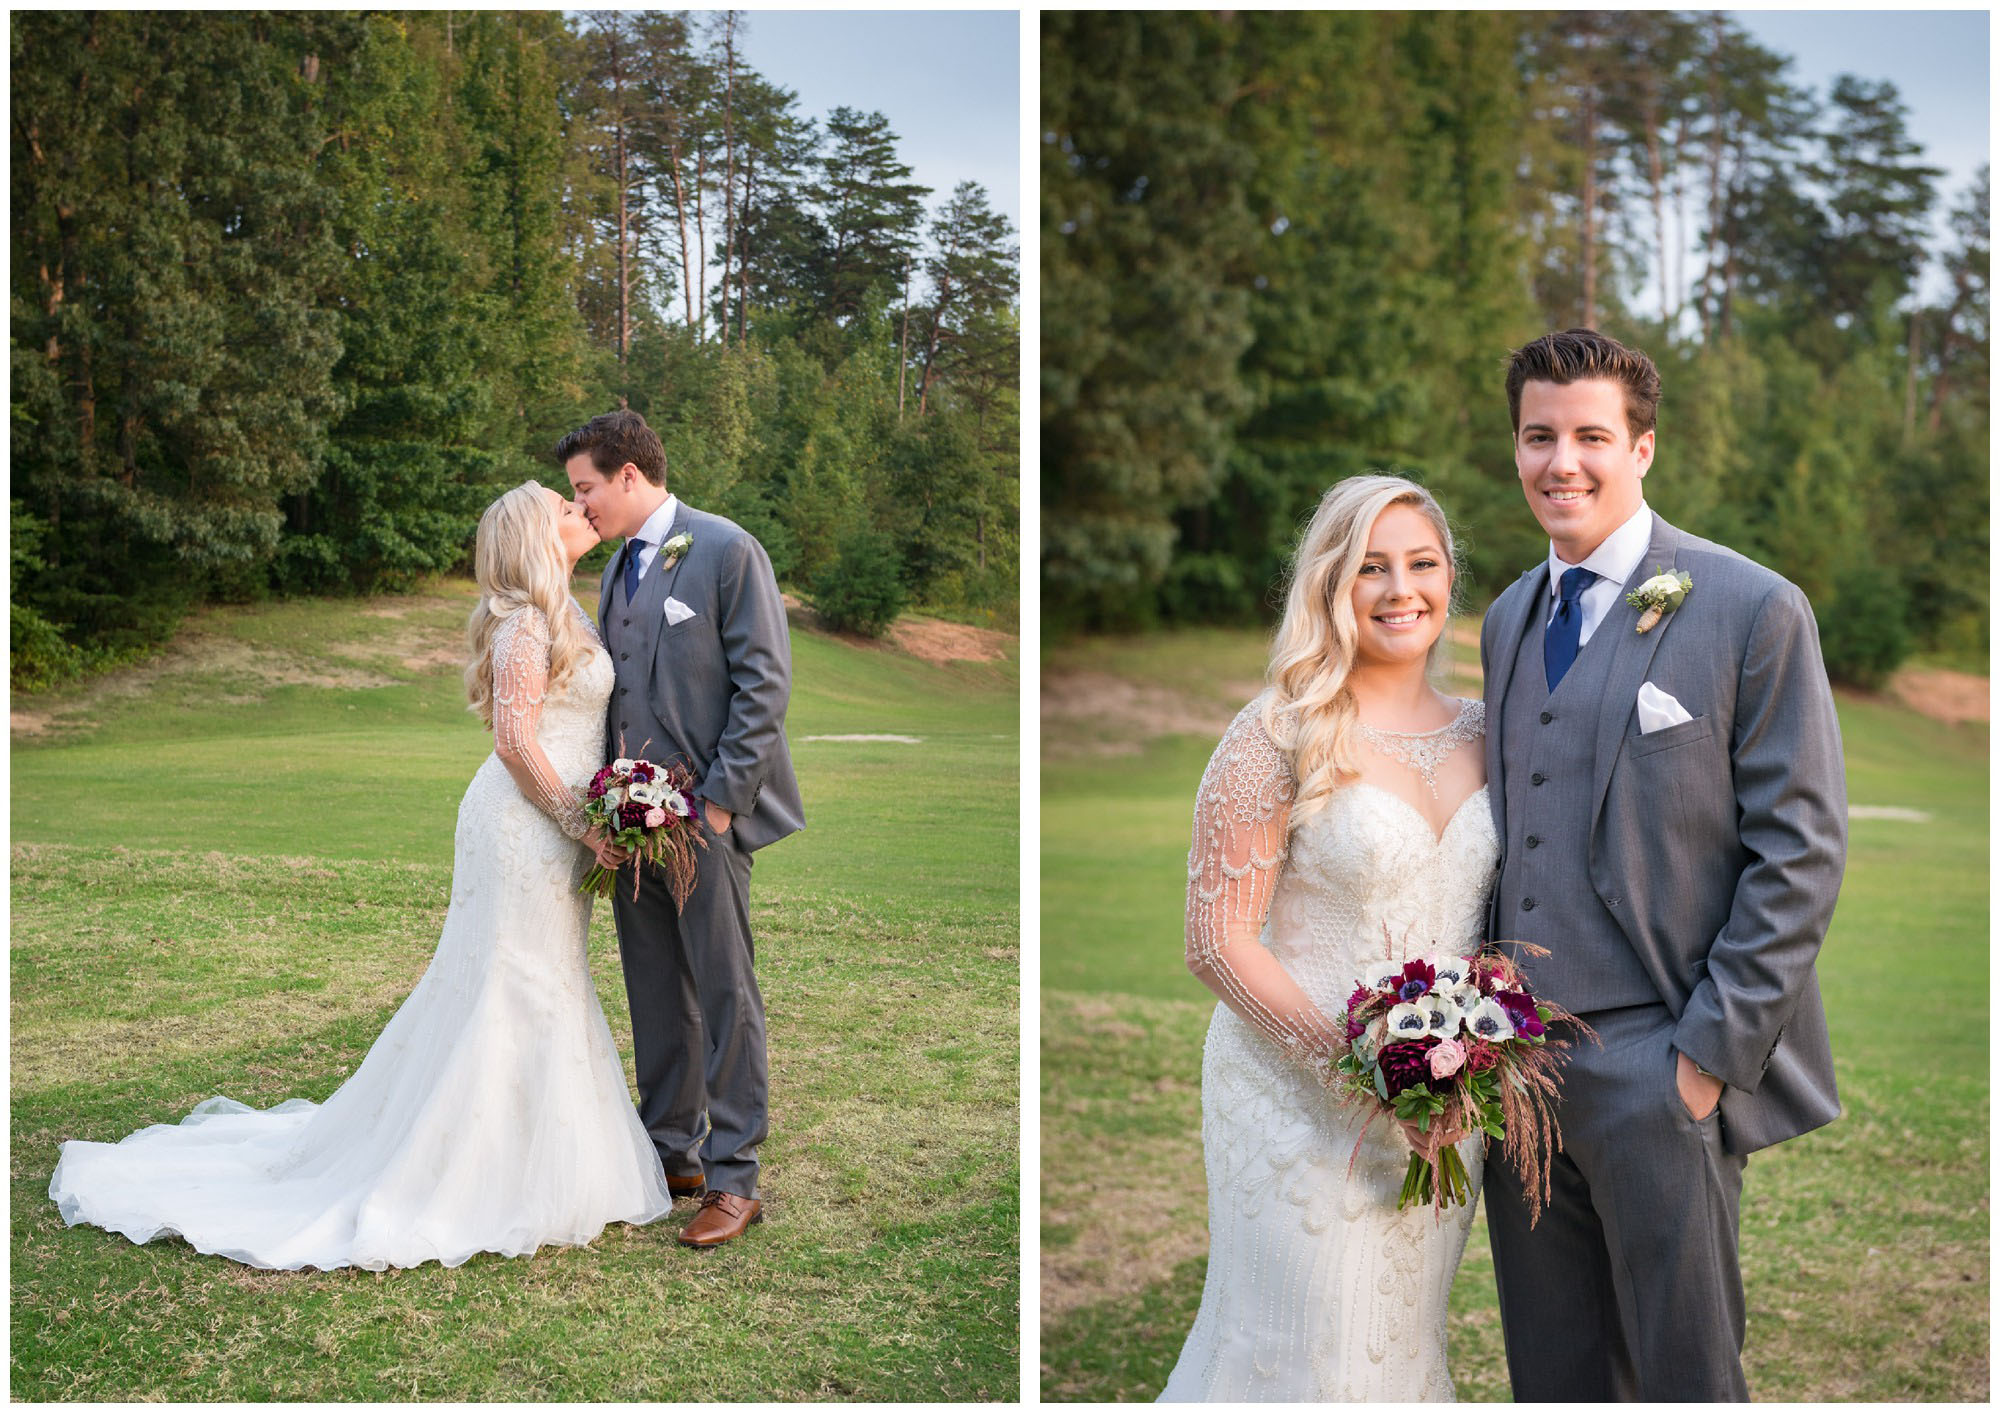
[1938, 60]
[949, 82]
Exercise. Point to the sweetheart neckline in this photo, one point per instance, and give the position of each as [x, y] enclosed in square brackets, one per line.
[1437, 836]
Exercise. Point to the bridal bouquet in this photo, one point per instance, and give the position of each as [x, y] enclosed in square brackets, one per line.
[645, 808]
[1462, 1045]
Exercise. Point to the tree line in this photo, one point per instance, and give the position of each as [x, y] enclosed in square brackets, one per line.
[1284, 248]
[296, 294]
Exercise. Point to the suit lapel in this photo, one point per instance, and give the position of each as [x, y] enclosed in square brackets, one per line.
[672, 571]
[604, 583]
[1632, 658]
[1520, 617]
[649, 605]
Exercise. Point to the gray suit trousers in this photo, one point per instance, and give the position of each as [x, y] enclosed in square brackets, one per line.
[698, 1019]
[1628, 1288]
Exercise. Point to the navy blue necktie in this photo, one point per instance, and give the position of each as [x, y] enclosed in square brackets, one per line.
[632, 548]
[1565, 632]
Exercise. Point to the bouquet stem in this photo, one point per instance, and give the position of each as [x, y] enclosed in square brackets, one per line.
[1443, 1184]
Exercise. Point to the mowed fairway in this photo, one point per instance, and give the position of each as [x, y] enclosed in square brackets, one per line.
[229, 868]
[1865, 1244]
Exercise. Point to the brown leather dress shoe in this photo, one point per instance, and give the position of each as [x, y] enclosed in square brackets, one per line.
[723, 1217]
[679, 1187]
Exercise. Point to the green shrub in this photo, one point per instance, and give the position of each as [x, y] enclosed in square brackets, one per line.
[1865, 634]
[862, 590]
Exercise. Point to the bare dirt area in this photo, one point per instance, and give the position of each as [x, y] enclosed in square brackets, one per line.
[1100, 714]
[935, 640]
[1943, 695]
[419, 633]
[932, 639]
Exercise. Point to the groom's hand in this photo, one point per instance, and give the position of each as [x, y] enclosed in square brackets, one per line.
[718, 818]
[1700, 1093]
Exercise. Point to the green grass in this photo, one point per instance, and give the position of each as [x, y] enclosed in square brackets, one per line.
[1865, 1244]
[229, 867]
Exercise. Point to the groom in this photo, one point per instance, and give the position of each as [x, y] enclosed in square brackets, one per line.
[1673, 808]
[691, 615]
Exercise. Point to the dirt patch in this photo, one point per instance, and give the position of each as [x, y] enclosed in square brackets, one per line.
[1104, 715]
[934, 640]
[1943, 695]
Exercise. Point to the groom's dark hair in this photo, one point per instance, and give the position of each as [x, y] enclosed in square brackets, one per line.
[1576, 354]
[614, 438]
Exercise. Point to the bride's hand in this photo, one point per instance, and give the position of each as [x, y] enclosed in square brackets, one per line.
[609, 854]
[1442, 1133]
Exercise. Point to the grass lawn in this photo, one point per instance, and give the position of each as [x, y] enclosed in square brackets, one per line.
[1865, 1244]
[246, 902]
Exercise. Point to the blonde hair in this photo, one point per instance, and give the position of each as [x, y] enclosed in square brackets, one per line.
[1310, 710]
[519, 562]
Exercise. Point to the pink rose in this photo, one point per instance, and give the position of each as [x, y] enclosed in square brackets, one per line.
[1446, 1059]
[655, 817]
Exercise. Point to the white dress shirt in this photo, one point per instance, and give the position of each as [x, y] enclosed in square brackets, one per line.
[1613, 562]
[656, 528]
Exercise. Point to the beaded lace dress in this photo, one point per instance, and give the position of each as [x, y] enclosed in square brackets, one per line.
[1318, 1289]
[492, 1112]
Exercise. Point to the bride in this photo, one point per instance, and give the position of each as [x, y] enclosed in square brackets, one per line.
[491, 1114]
[1343, 816]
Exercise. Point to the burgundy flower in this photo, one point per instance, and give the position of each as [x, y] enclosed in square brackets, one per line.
[631, 816]
[1405, 1063]
[1418, 977]
[642, 771]
[1354, 1027]
[1520, 1009]
[1359, 999]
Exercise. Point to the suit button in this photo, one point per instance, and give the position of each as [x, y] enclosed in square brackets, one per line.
[623, 656]
[623, 724]
[1527, 905]
[1613, 902]
[1537, 778]
[1546, 718]
[626, 621]
[1534, 841]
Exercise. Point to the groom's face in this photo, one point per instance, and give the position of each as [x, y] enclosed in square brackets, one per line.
[608, 499]
[1581, 468]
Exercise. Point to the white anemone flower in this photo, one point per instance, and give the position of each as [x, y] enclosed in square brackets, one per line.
[1407, 1021]
[622, 764]
[1442, 1013]
[643, 793]
[1381, 973]
[1489, 1021]
[1452, 972]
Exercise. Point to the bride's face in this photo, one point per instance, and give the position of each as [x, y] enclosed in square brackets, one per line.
[571, 527]
[1403, 591]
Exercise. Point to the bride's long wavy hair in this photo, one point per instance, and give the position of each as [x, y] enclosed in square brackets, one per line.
[1310, 712]
[519, 562]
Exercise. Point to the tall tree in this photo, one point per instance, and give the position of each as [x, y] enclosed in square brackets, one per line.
[870, 214]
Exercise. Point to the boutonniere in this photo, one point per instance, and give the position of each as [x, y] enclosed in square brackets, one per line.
[1660, 596]
[671, 550]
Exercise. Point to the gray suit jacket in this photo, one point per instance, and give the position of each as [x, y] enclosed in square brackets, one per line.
[1717, 843]
[711, 689]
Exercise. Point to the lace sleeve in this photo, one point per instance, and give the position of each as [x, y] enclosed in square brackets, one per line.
[1241, 826]
[520, 681]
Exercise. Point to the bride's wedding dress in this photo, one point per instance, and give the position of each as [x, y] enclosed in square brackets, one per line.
[1318, 1289]
[491, 1114]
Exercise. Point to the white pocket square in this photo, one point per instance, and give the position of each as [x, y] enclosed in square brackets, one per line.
[1658, 710]
[677, 612]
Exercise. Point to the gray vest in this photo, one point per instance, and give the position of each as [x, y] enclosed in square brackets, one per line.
[1545, 894]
